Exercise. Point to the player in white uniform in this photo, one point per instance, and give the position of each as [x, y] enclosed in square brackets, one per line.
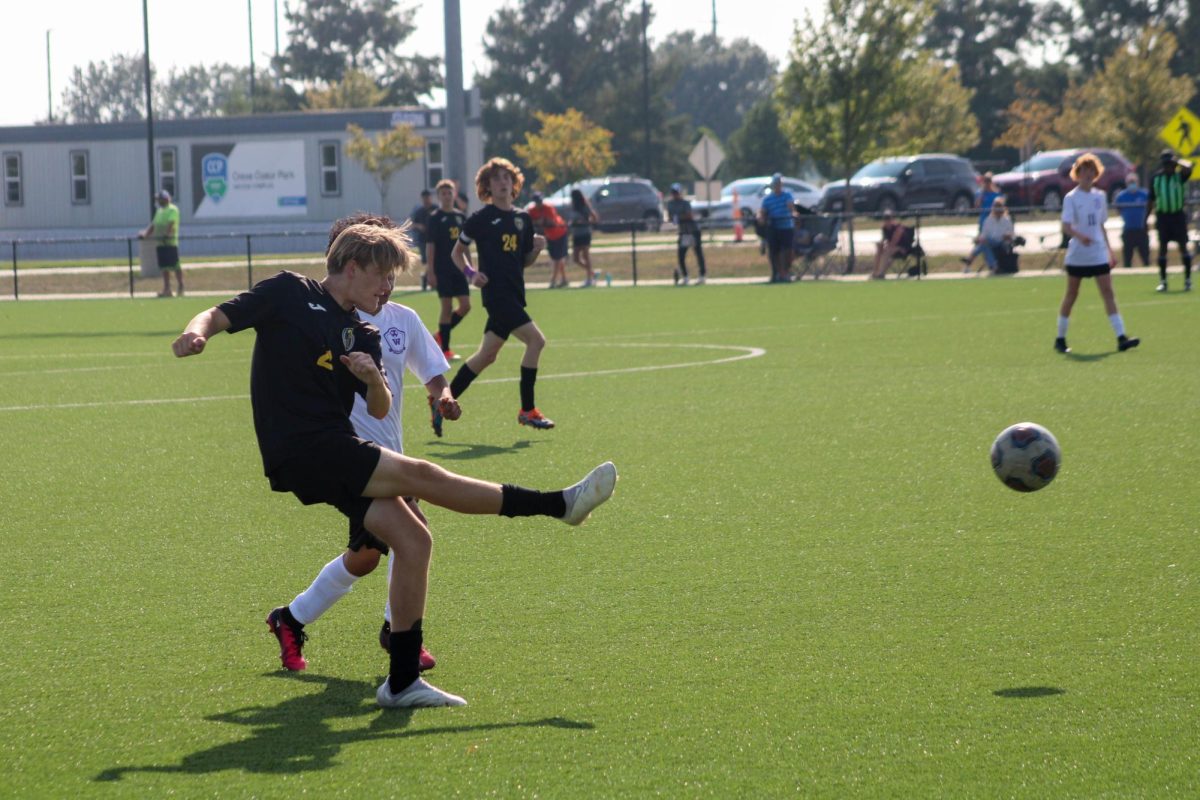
[1089, 255]
[405, 344]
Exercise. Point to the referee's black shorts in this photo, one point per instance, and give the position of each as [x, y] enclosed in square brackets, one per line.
[1172, 227]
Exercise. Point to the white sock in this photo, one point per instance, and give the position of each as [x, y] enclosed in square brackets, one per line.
[387, 606]
[1117, 323]
[1062, 326]
[330, 585]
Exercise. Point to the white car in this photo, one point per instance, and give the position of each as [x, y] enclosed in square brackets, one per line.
[751, 192]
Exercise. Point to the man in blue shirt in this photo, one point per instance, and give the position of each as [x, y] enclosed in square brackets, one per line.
[777, 213]
[1131, 202]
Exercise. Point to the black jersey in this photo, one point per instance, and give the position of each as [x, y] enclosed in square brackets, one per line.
[444, 229]
[502, 240]
[299, 386]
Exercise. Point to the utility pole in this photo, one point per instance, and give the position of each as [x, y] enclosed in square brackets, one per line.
[276, 29]
[714, 6]
[456, 106]
[149, 102]
[250, 25]
[646, 83]
[49, 85]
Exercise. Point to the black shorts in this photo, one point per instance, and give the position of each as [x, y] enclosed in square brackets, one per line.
[1088, 272]
[168, 256]
[504, 317]
[581, 240]
[557, 248]
[451, 282]
[360, 537]
[1172, 228]
[334, 469]
[779, 240]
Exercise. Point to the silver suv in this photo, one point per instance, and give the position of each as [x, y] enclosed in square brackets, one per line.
[621, 201]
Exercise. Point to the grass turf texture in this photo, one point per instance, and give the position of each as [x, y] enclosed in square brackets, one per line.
[809, 582]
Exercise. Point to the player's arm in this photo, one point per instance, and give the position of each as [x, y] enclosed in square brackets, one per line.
[460, 256]
[430, 254]
[539, 242]
[439, 392]
[378, 396]
[197, 333]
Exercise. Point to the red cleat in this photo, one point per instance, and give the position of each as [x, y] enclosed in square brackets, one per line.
[535, 419]
[424, 662]
[291, 641]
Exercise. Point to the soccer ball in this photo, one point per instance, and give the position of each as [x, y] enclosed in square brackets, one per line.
[1026, 456]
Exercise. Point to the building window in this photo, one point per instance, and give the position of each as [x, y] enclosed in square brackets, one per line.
[434, 165]
[14, 194]
[331, 169]
[166, 170]
[81, 193]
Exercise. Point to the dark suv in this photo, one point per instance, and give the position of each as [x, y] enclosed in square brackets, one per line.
[1045, 179]
[935, 180]
[619, 200]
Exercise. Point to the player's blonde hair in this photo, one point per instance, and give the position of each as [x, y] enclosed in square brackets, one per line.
[446, 183]
[1087, 160]
[388, 249]
[494, 165]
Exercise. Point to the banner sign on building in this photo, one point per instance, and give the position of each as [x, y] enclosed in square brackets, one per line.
[248, 179]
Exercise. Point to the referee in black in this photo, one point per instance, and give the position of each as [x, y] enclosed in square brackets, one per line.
[1168, 195]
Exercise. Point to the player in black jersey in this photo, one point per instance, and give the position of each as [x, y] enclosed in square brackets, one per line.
[505, 244]
[311, 355]
[444, 227]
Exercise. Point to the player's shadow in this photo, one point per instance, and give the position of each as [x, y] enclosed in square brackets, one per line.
[296, 735]
[1022, 692]
[465, 451]
[1073, 356]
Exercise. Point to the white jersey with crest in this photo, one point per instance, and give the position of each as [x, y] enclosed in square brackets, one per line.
[1086, 212]
[405, 343]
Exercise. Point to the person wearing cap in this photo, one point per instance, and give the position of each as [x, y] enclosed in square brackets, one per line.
[778, 215]
[548, 222]
[679, 211]
[164, 229]
[1168, 200]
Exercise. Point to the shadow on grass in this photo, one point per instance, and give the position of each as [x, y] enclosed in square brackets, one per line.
[1029, 691]
[296, 735]
[1073, 356]
[462, 451]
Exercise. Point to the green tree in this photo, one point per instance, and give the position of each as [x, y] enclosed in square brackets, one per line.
[107, 91]
[385, 155]
[845, 81]
[717, 83]
[569, 148]
[330, 37]
[759, 147]
[356, 89]
[1101, 26]
[220, 90]
[937, 115]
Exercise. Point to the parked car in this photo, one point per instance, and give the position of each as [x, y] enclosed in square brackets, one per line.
[1045, 179]
[619, 201]
[750, 192]
[933, 180]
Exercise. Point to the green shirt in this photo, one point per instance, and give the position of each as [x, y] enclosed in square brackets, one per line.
[163, 217]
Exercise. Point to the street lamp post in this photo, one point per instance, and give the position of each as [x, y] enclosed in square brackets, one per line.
[149, 102]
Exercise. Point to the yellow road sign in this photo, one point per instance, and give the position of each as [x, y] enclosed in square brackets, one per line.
[1182, 132]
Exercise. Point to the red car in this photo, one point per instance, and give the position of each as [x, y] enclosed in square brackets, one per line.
[1046, 178]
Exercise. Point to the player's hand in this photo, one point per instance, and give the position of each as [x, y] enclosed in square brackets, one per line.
[449, 408]
[1086, 241]
[479, 280]
[362, 366]
[539, 243]
[188, 344]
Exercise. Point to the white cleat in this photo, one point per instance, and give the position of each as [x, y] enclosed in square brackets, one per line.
[596, 487]
[419, 694]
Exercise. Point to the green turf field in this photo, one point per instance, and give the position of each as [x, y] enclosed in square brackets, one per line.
[808, 584]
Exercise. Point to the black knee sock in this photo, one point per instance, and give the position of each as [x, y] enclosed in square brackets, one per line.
[528, 378]
[444, 333]
[517, 501]
[405, 651]
[1187, 264]
[289, 619]
[455, 318]
[462, 380]
[1162, 269]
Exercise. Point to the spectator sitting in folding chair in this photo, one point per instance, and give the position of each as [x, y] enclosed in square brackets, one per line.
[994, 239]
[897, 242]
[816, 237]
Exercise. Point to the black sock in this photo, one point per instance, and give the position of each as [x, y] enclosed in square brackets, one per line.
[1187, 266]
[455, 318]
[517, 501]
[444, 333]
[528, 378]
[1162, 270]
[405, 651]
[462, 380]
[289, 619]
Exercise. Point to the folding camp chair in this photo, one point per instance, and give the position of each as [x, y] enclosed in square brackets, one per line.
[909, 258]
[816, 237]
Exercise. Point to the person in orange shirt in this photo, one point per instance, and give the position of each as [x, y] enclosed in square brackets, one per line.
[548, 222]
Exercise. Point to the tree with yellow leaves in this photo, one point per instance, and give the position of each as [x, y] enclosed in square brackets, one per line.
[385, 155]
[568, 148]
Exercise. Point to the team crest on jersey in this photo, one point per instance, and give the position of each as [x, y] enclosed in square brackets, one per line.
[395, 339]
[520, 223]
[347, 339]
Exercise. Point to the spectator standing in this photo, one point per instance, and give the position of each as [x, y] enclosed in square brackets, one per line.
[1132, 202]
[995, 235]
[679, 211]
[778, 215]
[583, 217]
[987, 195]
[164, 229]
[548, 223]
[1168, 195]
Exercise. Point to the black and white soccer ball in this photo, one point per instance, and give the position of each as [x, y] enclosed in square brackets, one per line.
[1026, 457]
